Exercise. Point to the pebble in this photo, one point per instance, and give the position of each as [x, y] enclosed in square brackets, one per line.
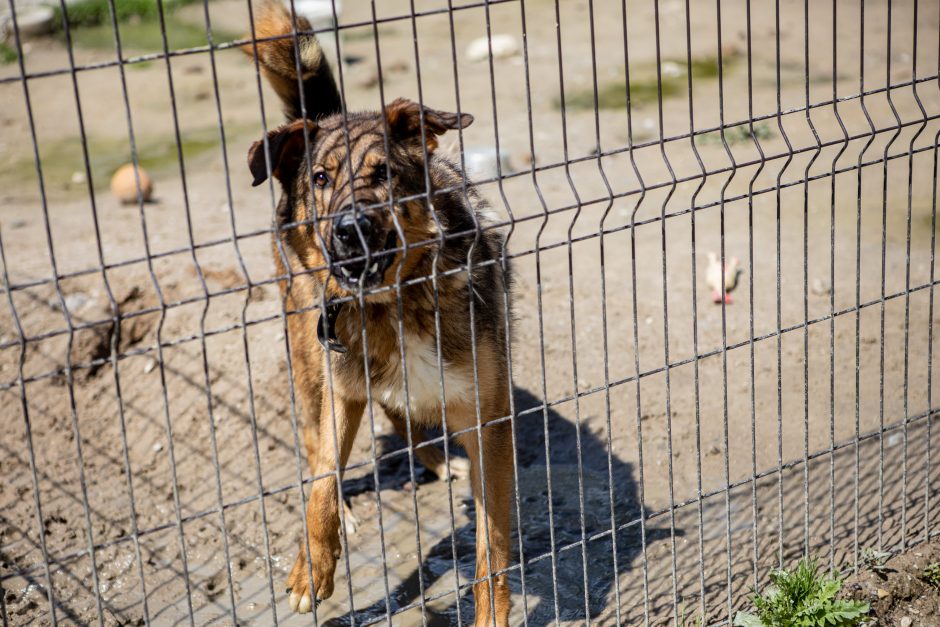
[672, 69]
[75, 301]
[882, 593]
[502, 45]
[906, 621]
[714, 450]
[157, 447]
[821, 287]
[34, 21]
[150, 365]
[482, 162]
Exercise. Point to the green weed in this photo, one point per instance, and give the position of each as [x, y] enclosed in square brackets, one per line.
[7, 54]
[931, 574]
[802, 597]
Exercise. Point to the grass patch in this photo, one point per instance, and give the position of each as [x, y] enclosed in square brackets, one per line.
[737, 135]
[7, 54]
[643, 86]
[85, 13]
[138, 25]
[802, 597]
[60, 159]
[144, 35]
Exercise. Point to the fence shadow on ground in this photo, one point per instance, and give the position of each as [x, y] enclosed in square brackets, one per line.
[553, 584]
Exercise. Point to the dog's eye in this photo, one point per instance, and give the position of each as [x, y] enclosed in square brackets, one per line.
[320, 179]
[380, 173]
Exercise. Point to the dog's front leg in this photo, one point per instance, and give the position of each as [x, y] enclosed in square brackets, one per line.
[492, 517]
[323, 505]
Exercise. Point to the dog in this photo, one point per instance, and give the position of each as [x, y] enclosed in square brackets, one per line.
[357, 267]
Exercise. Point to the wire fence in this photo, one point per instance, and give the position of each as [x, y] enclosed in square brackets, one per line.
[671, 441]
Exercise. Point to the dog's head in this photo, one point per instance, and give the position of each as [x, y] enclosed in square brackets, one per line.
[338, 186]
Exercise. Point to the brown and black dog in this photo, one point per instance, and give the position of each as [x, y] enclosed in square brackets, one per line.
[338, 236]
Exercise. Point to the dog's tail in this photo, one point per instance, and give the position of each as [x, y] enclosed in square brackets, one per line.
[275, 50]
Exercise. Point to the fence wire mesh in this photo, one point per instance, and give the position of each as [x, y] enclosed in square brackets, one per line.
[671, 443]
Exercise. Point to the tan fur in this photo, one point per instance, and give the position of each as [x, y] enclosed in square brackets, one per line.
[306, 217]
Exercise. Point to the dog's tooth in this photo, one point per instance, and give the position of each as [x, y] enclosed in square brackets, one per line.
[374, 267]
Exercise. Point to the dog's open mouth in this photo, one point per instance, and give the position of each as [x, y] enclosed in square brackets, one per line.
[361, 271]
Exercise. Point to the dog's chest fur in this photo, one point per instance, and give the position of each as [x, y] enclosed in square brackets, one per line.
[415, 380]
[423, 372]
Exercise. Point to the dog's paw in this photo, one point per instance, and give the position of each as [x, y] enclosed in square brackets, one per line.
[304, 597]
[349, 519]
[459, 468]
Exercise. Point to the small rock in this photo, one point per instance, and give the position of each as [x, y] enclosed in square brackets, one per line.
[150, 365]
[34, 21]
[906, 621]
[502, 45]
[157, 447]
[78, 177]
[882, 593]
[482, 162]
[672, 69]
[821, 287]
[714, 450]
[76, 301]
[648, 320]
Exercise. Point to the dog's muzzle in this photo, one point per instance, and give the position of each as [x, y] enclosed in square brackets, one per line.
[361, 249]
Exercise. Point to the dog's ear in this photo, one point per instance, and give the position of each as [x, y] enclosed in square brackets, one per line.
[286, 147]
[404, 121]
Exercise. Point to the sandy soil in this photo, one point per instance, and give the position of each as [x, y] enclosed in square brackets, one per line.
[171, 451]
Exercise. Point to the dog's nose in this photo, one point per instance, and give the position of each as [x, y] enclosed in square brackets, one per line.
[345, 230]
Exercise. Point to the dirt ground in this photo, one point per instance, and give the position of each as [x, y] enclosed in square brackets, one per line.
[157, 478]
[901, 594]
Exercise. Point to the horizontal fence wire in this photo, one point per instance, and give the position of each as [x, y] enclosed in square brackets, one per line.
[714, 357]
